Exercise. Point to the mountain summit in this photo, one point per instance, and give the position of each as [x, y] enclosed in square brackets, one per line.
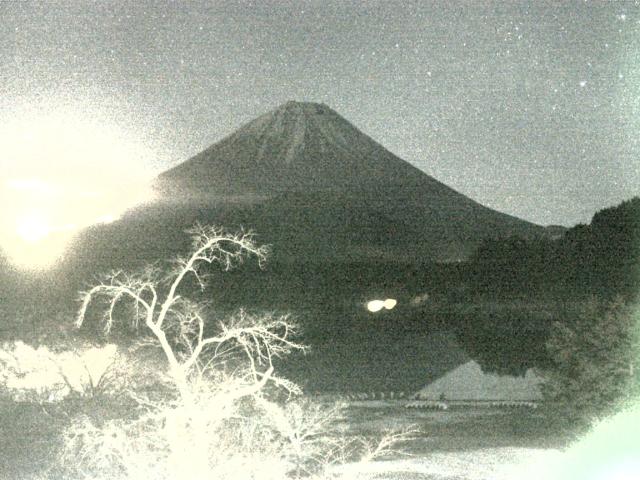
[298, 147]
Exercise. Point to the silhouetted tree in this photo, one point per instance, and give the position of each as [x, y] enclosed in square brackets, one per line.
[594, 353]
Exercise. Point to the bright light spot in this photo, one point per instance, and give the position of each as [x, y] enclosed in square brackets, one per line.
[30, 239]
[377, 305]
[33, 228]
[389, 303]
[62, 172]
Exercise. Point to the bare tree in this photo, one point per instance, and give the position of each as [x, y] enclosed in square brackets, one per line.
[207, 393]
[178, 324]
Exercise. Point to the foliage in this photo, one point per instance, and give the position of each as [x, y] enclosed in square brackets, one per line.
[46, 375]
[257, 438]
[224, 412]
[594, 352]
[601, 258]
[506, 338]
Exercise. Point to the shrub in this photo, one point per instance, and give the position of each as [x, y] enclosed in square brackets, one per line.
[43, 374]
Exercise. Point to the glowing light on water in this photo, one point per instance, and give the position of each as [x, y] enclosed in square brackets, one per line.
[390, 303]
[377, 305]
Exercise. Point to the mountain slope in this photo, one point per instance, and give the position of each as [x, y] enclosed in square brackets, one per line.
[296, 147]
[314, 183]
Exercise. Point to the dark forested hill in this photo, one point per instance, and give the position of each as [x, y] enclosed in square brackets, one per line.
[602, 258]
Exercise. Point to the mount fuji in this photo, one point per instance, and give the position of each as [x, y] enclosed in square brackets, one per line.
[315, 186]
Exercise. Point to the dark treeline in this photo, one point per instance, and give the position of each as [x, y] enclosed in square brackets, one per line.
[602, 258]
[520, 290]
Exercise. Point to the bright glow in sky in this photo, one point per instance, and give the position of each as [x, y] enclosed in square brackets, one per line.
[64, 171]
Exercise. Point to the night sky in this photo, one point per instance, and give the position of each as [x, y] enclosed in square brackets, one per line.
[531, 108]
